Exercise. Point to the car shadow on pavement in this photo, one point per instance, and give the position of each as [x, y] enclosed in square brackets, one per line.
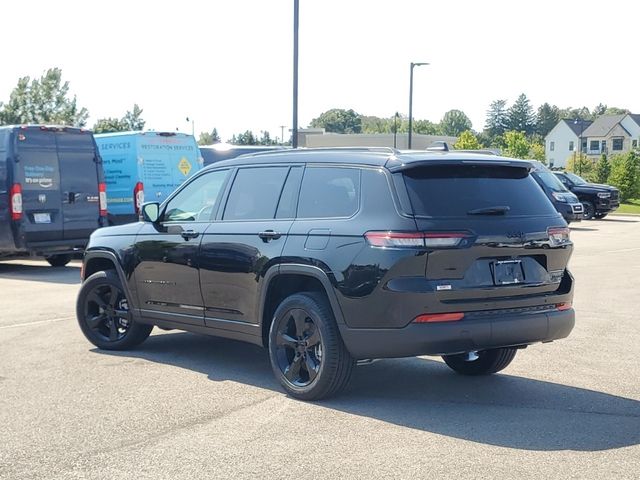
[619, 220]
[69, 274]
[584, 229]
[501, 410]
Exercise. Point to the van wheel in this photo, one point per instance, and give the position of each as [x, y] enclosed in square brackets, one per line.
[103, 314]
[58, 260]
[306, 351]
[488, 361]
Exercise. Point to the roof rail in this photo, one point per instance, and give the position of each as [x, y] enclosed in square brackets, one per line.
[389, 150]
[486, 151]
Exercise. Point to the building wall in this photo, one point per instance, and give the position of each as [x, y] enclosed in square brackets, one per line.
[633, 128]
[561, 136]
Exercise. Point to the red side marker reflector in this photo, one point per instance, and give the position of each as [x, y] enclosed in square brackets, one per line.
[439, 317]
[563, 306]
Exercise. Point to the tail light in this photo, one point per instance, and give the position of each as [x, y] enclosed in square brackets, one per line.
[102, 197]
[438, 317]
[138, 196]
[15, 199]
[563, 306]
[416, 239]
[558, 236]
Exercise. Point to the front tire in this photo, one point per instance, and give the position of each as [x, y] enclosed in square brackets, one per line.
[58, 260]
[103, 314]
[306, 351]
[589, 210]
[488, 361]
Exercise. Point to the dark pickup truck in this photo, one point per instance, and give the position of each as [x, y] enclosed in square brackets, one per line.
[598, 200]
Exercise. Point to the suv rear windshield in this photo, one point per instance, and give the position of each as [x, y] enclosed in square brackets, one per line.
[456, 190]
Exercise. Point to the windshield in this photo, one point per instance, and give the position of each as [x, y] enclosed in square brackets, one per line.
[576, 179]
[551, 181]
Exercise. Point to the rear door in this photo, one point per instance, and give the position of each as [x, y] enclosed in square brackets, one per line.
[37, 171]
[78, 183]
[489, 233]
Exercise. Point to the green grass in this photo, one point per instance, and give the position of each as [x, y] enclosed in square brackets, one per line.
[631, 206]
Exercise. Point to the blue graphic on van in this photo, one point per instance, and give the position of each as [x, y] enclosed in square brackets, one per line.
[139, 165]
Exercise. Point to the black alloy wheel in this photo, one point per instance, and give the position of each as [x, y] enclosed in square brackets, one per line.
[589, 210]
[103, 313]
[306, 351]
[299, 349]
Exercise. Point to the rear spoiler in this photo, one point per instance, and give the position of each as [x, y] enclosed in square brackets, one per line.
[399, 164]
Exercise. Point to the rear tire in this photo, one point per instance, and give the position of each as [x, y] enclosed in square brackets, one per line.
[58, 260]
[488, 361]
[306, 351]
[103, 314]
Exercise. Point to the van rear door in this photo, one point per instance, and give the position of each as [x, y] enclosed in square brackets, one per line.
[78, 183]
[38, 173]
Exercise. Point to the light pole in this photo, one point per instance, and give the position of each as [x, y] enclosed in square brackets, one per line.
[395, 129]
[413, 64]
[282, 127]
[580, 143]
[294, 128]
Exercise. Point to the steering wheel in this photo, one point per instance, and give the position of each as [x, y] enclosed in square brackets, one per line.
[204, 213]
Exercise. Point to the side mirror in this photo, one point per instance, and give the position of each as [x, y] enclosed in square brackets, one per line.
[150, 212]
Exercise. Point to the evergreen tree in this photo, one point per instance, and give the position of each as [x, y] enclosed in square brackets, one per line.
[547, 117]
[521, 116]
[603, 169]
[497, 118]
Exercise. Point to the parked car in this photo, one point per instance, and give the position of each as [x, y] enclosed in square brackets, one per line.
[135, 163]
[330, 256]
[598, 200]
[565, 202]
[52, 191]
[225, 151]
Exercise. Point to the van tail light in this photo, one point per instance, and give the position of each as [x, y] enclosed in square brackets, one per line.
[438, 317]
[558, 236]
[102, 197]
[138, 197]
[416, 239]
[15, 199]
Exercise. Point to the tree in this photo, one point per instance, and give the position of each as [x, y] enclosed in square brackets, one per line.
[582, 113]
[265, 139]
[625, 175]
[616, 111]
[43, 100]
[497, 118]
[516, 144]
[131, 121]
[599, 109]
[536, 152]
[467, 141]
[246, 138]
[581, 165]
[424, 127]
[454, 122]
[547, 117]
[603, 169]
[338, 120]
[521, 116]
[209, 138]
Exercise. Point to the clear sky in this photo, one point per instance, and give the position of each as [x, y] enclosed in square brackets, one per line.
[228, 64]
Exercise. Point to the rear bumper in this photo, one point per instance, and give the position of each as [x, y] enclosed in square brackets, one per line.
[57, 246]
[468, 334]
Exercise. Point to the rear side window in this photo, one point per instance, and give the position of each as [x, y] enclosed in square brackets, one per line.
[454, 191]
[38, 159]
[329, 192]
[255, 193]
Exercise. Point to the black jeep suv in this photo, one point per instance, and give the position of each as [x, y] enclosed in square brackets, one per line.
[598, 200]
[330, 256]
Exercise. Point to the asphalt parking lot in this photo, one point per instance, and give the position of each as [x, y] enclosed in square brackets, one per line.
[188, 406]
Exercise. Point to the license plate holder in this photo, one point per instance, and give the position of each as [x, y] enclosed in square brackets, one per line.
[42, 217]
[507, 272]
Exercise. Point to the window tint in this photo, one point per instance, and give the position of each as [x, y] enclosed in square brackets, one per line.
[329, 192]
[289, 197]
[255, 193]
[198, 200]
[444, 191]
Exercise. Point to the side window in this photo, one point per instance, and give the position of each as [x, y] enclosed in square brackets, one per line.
[329, 192]
[197, 201]
[289, 198]
[255, 193]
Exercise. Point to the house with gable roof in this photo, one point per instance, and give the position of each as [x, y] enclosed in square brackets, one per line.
[608, 134]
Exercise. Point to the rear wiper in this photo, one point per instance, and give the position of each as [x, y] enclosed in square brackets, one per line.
[497, 210]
